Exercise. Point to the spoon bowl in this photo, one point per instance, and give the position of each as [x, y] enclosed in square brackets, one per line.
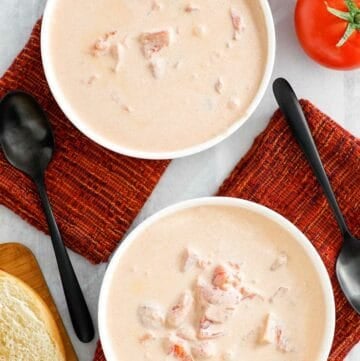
[28, 143]
[348, 271]
[25, 134]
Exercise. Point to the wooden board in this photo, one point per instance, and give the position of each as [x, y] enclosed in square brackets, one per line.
[19, 261]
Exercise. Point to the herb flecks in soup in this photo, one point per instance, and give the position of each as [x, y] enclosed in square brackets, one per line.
[158, 76]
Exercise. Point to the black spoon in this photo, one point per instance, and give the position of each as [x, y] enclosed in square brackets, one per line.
[28, 144]
[348, 262]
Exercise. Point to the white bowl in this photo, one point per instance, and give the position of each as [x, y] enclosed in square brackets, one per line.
[232, 202]
[65, 104]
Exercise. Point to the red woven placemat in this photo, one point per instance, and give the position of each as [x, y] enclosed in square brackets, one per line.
[276, 174]
[95, 193]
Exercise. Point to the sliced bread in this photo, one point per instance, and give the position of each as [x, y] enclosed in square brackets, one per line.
[28, 331]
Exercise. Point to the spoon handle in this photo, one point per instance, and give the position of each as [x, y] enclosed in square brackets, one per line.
[78, 309]
[289, 104]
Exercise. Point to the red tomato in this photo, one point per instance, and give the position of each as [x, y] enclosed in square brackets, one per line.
[321, 26]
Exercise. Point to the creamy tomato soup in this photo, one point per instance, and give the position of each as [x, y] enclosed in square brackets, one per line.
[219, 283]
[158, 75]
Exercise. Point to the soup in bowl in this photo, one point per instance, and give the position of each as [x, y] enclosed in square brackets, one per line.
[216, 279]
[158, 78]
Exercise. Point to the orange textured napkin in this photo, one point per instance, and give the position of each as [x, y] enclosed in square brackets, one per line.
[95, 193]
[276, 174]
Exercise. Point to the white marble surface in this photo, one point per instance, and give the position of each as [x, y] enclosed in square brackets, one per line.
[337, 93]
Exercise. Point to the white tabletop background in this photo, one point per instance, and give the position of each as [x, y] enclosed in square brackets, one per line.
[336, 93]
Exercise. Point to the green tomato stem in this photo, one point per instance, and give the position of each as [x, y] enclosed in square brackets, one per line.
[352, 18]
[351, 5]
[348, 32]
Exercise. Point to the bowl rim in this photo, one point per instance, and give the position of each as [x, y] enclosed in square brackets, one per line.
[302, 240]
[67, 109]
